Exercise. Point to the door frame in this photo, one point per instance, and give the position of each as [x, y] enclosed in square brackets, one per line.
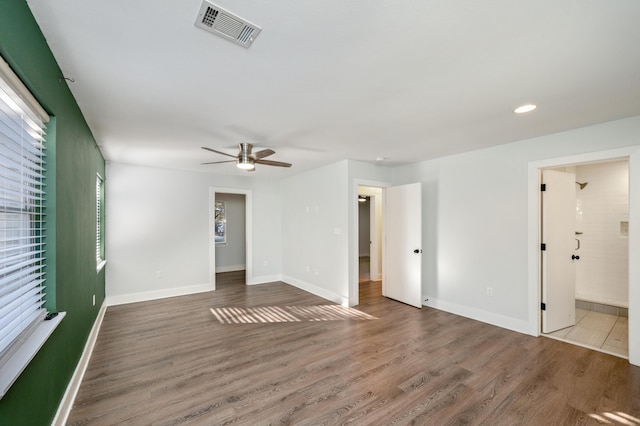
[248, 220]
[375, 230]
[534, 218]
[354, 297]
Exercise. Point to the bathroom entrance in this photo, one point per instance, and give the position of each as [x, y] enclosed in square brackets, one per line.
[589, 277]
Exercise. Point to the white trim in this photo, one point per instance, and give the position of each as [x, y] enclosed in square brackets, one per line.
[230, 268]
[265, 279]
[318, 291]
[100, 265]
[510, 323]
[157, 294]
[27, 350]
[64, 409]
[7, 74]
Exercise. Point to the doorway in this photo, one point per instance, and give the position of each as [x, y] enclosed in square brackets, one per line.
[399, 238]
[230, 236]
[599, 251]
[369, 238]
[373, 190]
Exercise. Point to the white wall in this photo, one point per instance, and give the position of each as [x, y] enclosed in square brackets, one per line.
[320, 231]
[602, 273]
[315, 231]
[157, 220]
[476, 224]
[230, 256]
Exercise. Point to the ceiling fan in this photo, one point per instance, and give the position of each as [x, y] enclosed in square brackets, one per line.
[246, 160]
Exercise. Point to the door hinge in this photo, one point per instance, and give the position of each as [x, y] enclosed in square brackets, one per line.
[543, 306]
[543, 246]
[543, 187]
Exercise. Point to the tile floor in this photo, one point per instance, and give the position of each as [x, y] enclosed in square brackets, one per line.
[600, 331]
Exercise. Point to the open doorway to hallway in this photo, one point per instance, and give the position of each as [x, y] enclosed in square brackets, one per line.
[369, 240]
[230, 236]
[230, 232]
[599, 258]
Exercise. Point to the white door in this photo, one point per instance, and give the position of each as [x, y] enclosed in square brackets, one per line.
[402, 265]
[558, 256]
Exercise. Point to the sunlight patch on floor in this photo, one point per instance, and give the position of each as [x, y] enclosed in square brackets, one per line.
[618, 418]
[273, 314]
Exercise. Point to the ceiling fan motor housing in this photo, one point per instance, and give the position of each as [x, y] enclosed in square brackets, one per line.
[245, 160]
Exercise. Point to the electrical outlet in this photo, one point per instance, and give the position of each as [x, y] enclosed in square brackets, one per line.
[490, 291]
[158, 274]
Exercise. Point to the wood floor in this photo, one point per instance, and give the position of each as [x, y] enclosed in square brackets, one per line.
[171, 362]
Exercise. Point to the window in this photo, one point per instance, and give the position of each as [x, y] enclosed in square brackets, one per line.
[22, 227]
[99, 222]
[220, 223]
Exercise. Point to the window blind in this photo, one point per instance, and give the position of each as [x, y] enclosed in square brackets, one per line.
[99, 220]
[22, 213]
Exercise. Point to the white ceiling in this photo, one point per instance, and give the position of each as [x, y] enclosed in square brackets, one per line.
[328, 80]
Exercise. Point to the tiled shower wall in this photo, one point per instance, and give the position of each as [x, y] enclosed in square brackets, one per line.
[602, 215]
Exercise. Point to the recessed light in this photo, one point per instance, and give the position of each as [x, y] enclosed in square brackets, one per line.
[524, 108]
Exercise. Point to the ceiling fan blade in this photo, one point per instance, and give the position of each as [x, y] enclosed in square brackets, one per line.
[218, 162]
[218, 152]
[273, 163]
[264, 153]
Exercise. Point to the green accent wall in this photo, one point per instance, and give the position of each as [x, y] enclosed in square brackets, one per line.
[73, 159]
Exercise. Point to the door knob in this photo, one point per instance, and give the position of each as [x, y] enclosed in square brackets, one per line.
[574, 257]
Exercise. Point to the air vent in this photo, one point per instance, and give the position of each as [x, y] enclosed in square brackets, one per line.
[221, 22]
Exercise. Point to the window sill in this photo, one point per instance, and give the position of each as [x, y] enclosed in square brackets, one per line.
[100, 265]
[25, 353]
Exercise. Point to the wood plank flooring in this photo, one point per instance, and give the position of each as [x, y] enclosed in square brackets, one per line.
[171, 362]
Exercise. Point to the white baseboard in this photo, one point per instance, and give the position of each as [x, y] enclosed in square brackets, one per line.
[64, 409]
[521, 326]
[230, 268]
[318, 291]
[264, 279]
[157, 294]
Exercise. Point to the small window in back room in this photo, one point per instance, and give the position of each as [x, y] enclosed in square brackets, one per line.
[99, 222]
[220, 223]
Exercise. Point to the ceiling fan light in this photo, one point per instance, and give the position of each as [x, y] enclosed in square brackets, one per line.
[245, 165]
